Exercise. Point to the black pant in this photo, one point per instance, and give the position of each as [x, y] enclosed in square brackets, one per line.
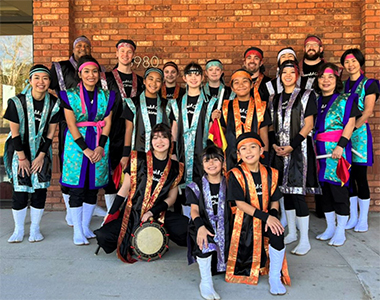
[276, 241]
[181, 200]
[80, 195]
[335, 198]
[65, 189]
[358, 182]
[110, 188]
[298, 203]
[20, 199]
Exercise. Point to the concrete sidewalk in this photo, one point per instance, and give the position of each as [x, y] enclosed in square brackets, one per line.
[57, 269]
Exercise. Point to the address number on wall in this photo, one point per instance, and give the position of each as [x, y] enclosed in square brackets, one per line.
[146, 61]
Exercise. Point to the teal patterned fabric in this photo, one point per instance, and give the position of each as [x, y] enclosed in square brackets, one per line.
[334, 121]
[35, 137]
[73, 155]
[360, 137]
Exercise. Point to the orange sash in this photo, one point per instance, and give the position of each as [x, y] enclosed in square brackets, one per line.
[148, 200]
[175, 94]
[257, 228]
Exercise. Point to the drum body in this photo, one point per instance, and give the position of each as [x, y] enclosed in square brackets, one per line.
[150, 241]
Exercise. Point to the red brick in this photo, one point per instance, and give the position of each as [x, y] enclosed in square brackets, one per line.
[184, 30]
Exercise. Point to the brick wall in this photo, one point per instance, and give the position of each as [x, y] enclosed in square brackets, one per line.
[198, 30]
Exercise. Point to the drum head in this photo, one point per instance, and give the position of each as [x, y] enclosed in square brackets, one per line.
[150, 241]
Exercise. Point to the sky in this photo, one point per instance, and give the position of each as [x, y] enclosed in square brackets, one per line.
[9, 51]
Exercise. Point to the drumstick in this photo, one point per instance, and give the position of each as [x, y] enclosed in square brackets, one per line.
[324, 156]
[220, 102]
[357, 153]
[329, 155]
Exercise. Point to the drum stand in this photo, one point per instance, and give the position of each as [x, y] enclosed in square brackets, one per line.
[97, 250]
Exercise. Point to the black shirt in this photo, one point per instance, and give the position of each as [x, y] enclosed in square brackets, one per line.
[311, 70]
[127, 80]
[214, 92]
[158, 170]
[243, 106]
[11, 113]
[311, 107]
[170, 92]
[190, 105]
[236, 192]
[214, 191]
[151, 104]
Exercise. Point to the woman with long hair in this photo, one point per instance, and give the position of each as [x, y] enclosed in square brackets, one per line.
[149, 188]
[293, 113]
[86, 168]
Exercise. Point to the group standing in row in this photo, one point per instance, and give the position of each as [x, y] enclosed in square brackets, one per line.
[286, 138]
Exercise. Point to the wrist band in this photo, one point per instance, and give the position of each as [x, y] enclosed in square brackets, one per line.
[45, 146]
[81, 143]
[126, 151]
[155, 210]
[263, 216]
[22, 159]
[17, 143]
[174, 148]
[198, 222]
[343, 142]
[103, 140]
[297, 140]
[273, 212]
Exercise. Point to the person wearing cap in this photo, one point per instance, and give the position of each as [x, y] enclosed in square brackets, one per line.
[63, 77]
[243, 114]
[312, 60]
[333, 129]
[293, 154]
[171, 90]
[150, 110]
[192, 129]
[215, 80]
[88, 113]
[150, 186]
[254, 188]
[253, 63]
[209, 228]
[368, 91]
[63, 73]
[274, 86]
[127, 86]
[33, 116]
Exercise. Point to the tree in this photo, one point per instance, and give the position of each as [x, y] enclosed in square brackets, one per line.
[16, 54]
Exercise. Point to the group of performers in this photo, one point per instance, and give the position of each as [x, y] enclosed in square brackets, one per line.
[286, 137]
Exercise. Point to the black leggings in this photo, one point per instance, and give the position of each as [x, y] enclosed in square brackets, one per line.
[358, 182]
[335, 198]
[276, 241]
[80, 195]
[298, 203]
[37, 199]
[110, 188]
